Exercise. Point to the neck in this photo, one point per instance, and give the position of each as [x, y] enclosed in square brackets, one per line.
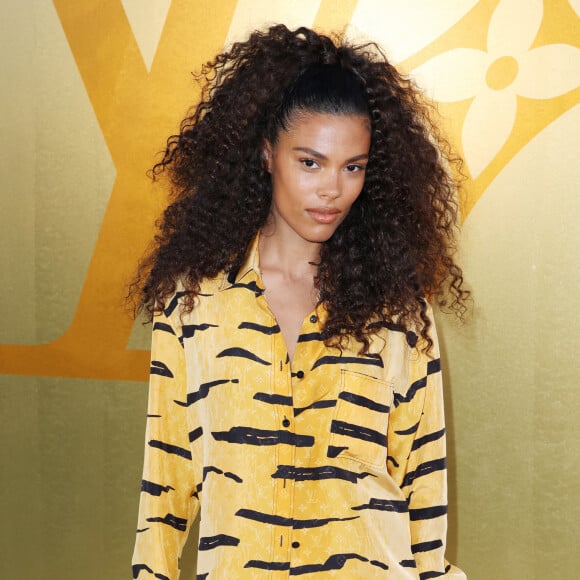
[291, 256]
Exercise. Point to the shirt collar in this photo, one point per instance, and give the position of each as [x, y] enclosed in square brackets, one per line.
[251, 264]
[249, 272]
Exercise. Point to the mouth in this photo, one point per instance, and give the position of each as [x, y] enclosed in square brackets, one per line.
[323, 215]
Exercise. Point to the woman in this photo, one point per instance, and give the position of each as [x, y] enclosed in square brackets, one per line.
[295, 395]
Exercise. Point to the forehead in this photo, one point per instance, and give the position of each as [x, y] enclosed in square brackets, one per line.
[327, 130]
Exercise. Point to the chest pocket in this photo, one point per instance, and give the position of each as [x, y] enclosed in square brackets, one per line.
[359, 428]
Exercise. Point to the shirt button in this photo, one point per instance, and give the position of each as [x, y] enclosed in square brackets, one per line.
[300, 374]
[313, 319]
[295, 544]
[286, 422]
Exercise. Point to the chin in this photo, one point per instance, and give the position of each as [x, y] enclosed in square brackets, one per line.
[318, 237]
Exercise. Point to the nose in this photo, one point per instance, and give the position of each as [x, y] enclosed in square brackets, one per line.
[330, 186]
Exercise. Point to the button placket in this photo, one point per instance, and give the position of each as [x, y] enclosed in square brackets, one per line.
[282, 385]
[288, 382]
[298, 376]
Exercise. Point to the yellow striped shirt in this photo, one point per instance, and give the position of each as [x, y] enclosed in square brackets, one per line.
[329, 465]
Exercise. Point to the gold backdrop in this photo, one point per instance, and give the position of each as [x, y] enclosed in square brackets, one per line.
[90, 91]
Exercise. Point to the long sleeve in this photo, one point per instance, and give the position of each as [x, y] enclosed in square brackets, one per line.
[417, 461]
[168, 503]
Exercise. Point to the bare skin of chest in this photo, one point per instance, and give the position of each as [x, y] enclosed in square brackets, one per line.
[290, 301]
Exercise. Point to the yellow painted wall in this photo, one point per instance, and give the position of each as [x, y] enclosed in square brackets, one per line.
[91, 89]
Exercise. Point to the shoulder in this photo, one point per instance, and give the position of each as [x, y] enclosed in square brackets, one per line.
[176, 309]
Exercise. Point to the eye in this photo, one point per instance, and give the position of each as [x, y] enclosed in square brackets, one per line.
[309, 163]
[354, 167]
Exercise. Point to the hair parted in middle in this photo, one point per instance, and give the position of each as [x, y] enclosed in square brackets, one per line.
[393, 250]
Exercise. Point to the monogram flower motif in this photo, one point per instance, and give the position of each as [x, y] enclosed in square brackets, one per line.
[495, 78]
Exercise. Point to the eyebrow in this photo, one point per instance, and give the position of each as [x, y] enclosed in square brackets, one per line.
[322, 157]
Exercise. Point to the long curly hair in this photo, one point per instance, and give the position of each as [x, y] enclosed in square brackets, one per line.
[392, 252]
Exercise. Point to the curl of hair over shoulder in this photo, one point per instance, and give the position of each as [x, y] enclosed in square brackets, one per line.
[396, 246]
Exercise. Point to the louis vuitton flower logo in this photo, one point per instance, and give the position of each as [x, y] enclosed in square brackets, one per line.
[495, 78]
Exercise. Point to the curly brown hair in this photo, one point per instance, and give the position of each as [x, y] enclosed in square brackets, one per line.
[396, 246]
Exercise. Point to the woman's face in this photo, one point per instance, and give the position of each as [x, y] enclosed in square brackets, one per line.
[318, 170]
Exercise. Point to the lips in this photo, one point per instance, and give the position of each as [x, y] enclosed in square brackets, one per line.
[323, 215]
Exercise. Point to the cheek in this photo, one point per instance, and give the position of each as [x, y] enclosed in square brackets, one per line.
[289, 185]
[355, 190]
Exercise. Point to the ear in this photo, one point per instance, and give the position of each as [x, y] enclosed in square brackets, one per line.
[267, 155]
